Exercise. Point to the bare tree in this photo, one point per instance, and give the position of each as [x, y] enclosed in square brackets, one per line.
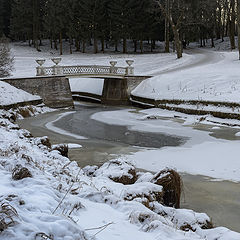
[6, 61]
[175, 26]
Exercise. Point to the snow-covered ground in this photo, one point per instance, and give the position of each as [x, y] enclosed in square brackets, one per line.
[11, 95]
[200, 155]
[202, 74]
[217, 80]
[63, 202]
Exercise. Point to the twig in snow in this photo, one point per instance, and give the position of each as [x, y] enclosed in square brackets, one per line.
[66, 193]
[102, 228]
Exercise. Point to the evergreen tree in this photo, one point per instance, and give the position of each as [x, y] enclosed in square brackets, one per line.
[21, 20]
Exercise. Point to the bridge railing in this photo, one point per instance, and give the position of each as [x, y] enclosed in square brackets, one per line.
[111, 70]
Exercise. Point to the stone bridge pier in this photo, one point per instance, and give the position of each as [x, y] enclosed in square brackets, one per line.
[118, 91]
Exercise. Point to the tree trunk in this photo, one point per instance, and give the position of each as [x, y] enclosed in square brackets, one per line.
[55, 44]
[70, 45]
[124, 45]
[212, 41]
[231, 22]
[177, 41]
[116, 45]
[167, 44]
[175, 29]
[141, 45]
[61, 44]
[103, 46]
[135, 45]
[83, 46]
[95, 42]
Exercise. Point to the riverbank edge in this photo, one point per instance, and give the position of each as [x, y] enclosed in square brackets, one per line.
[146, 103]
[21, 104]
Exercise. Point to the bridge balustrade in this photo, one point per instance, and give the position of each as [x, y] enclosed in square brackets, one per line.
[91, 70]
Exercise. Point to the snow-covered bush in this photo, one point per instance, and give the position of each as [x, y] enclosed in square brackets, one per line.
[6, 61]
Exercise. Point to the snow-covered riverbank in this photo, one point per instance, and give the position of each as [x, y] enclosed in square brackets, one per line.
[66, 202]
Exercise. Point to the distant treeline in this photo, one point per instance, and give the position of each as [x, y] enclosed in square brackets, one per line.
[83, 22]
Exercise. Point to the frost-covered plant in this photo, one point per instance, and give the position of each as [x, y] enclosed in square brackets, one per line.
[6, 61]
[7, 216]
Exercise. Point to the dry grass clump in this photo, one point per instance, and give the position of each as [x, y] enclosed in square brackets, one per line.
[130, 177]
[171, 182]
[20, 172]
[125, 179]
[146, 198]
[46, 142]
[205, 225]
[7, 216]
[62, 148]
[187, 227]
[43, 236]
[90, 170]
[25, 111]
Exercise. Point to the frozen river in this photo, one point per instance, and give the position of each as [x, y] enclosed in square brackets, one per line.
[219, 199]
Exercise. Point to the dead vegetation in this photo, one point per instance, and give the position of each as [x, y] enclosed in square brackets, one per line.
[25, 112]
[62, 148]
[146, 198]
[8, 215]
[204, 225]
[128, 177]
[171, 182]
[20, 172]
[43, 236]
[46, 142]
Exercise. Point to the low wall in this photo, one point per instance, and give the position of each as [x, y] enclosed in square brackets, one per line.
[54, 91]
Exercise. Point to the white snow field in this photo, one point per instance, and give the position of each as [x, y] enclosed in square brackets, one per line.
[215, 79]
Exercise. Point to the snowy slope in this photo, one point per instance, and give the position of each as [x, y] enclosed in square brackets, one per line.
[214, 80]
[11, 95]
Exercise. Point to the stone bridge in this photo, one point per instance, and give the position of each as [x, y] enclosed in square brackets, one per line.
[52, 83]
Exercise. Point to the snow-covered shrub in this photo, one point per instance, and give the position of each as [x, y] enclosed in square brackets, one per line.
[184, 219]
[119, 171]
[143, 192]
[6, 61]
[8, 214]
[62, 149]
